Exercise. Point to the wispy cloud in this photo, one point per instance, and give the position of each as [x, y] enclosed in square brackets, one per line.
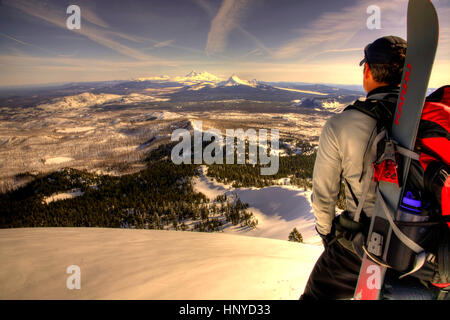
[93, 32]
[27, 43]
[226, 19]
[163, 44]
[258, 42]
[16, 40]
[92, 17]
[98, 31]
[335, 31]
[207, 7]
[254, 52]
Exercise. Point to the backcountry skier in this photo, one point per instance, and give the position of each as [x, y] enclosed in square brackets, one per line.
[343, 157]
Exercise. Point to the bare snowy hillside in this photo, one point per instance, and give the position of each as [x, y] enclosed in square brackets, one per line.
[278, 209]
[150, 264]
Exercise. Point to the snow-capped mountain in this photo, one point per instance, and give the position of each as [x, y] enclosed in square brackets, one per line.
[193, 78]
[234, 80]
[204, 86]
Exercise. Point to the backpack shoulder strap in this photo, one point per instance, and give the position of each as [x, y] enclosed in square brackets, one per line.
[367, 107]
[380, 107]
[374, 140]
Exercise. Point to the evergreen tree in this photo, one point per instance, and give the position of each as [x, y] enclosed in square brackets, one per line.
[295, 236]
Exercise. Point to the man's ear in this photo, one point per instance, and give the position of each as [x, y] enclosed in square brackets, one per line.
[367, 72]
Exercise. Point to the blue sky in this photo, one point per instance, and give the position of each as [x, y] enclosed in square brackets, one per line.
[271, 40]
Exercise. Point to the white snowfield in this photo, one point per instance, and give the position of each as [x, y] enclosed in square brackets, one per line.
[279, 209]
[63, 195]
[150, 264]
[57, 160]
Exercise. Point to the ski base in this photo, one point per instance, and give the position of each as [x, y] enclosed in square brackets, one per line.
[370, 281]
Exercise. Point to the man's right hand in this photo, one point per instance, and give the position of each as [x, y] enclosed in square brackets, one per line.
[327, 239]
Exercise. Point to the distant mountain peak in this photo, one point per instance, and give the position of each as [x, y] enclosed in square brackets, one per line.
[157, 78]
[195, 77]
[234, 80]
[193, 73]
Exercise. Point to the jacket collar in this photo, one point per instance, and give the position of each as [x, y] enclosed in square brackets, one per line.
[383, 90]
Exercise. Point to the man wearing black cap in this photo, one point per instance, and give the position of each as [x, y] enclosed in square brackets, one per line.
[344, 156]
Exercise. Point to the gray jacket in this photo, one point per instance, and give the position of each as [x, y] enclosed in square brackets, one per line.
[343, 144]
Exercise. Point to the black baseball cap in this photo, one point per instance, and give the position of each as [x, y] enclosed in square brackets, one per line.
[383, 50]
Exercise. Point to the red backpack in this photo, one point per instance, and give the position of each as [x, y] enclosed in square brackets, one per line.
[433, 143]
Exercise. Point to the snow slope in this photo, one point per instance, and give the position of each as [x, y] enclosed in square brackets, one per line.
[150, 264]
[279, 209]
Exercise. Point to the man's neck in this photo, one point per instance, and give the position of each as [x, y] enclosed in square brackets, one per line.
[381, 88]
[371, 85]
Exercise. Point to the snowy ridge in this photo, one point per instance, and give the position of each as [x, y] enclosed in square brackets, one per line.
[87, 99]
[137, 97]
[82, 100]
